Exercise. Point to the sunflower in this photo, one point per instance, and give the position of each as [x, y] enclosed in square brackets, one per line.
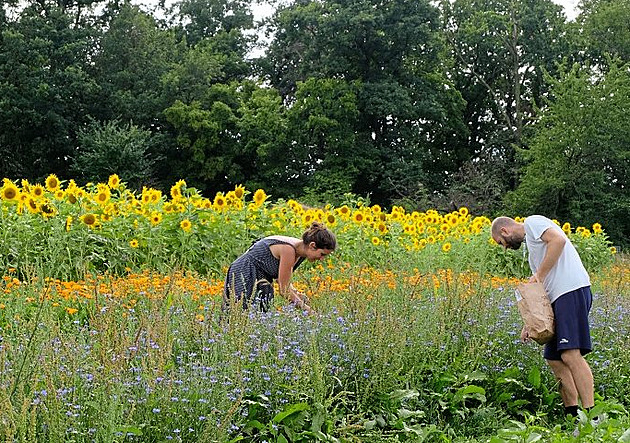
[47, 210]
[38, 191]
[156, 218]
[357, 217]
[10, 191]
[134, 243]
[220, 203]
[446, 247]
[330, 219]
[239, 191]
[381, 227]
[463, 211]
[52, 183]
[259, 197]
[103, 194]
[89, 219]
[566, 228]
[68, 223]
[597, 228]
[113, 181]
[71, 197]
[32, 205]
[376, 241]
[186, 225]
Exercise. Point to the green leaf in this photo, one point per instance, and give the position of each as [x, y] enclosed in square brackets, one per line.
[290, 410]
[130, 429]
[534, 436]
[470, 391]
[534, 377]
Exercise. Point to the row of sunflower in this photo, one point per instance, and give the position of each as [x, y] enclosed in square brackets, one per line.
[109, 226]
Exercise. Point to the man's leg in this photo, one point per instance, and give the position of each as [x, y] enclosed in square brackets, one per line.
[568, 390]
[582, 376]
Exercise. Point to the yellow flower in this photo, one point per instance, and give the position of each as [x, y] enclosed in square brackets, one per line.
[185, 225]
[376, 241]
[103, 194]
[32, 205]
[71, 311]
[38, 191]
[156, 218]
[566, 228]
[446, 247]
[52, 183]
[259, 197]
[10, 191]
[344, 212]
[463, 211]
[47, 210]
[597, 228]
[330, 219]
[357, 217]
[89, 219]
[68, 223]
[113, 181]
[133, 243]
[176, 189]
[239, 191]
[220, 203]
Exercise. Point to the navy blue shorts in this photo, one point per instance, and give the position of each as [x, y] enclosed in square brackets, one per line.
[572, 329]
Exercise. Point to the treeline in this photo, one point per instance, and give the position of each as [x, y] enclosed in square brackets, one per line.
[493, 104]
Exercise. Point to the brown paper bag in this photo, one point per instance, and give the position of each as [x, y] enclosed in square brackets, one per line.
[536, 311]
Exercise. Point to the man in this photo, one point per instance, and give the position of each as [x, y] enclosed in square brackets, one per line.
[555, 262]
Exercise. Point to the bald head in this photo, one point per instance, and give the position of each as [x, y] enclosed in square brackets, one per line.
[501, 222]
[507, 232]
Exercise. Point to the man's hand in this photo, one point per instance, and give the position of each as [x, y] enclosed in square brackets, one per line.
[525, 334]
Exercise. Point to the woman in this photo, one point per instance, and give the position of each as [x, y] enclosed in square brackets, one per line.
[250, 277]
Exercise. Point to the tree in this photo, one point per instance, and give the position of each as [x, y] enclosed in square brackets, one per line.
[46, 92]
[114, 148]
[407, 109]
[501, 49]
[605, 31]
[578, 164]
[133, 57]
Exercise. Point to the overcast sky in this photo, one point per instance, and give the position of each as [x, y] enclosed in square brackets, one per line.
[264, 10]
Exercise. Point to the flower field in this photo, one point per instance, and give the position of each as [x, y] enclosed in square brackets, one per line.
[111, 327]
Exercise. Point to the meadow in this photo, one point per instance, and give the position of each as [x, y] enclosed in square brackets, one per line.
[111, 328]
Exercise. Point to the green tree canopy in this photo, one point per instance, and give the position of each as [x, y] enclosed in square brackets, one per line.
[578, 164]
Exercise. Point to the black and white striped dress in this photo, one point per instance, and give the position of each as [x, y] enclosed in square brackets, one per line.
[250, 277]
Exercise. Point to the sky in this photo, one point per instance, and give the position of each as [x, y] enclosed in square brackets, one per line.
[262, 10]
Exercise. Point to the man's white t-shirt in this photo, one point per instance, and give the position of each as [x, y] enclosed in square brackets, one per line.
[568, 274]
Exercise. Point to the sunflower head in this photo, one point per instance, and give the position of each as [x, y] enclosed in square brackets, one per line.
[239, 191]
[52, 183]
[220, 202]
[259, 197]
[156, 218]
[38, 191]
[113, 181]
[89, 219]
[186, 225]
[10, 191]
[47, 210]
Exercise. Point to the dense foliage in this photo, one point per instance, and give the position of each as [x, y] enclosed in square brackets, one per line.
[415, 103]
[111, 328]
